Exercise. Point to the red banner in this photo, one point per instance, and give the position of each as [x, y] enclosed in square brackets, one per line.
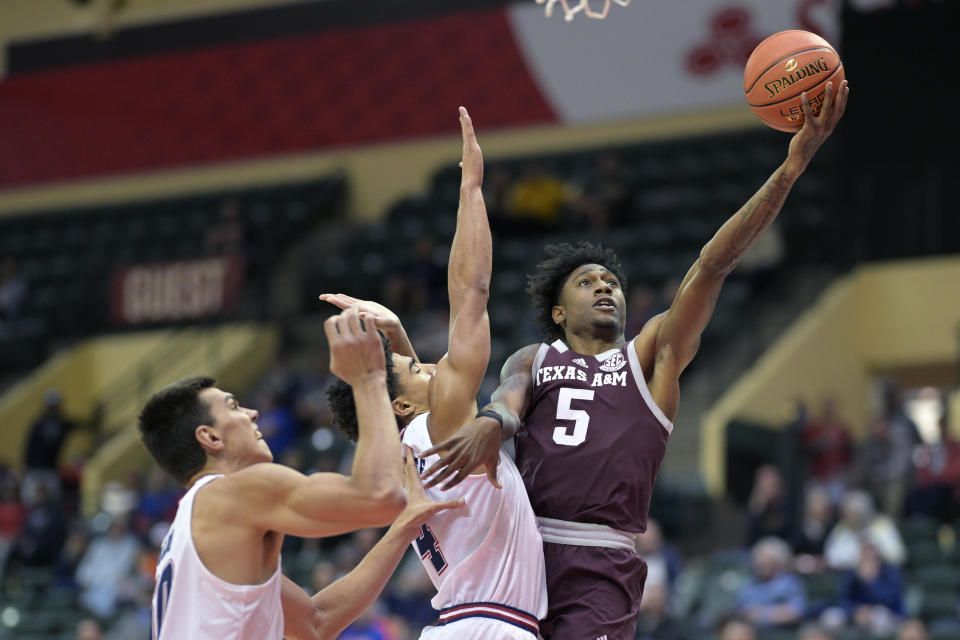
[173, 291]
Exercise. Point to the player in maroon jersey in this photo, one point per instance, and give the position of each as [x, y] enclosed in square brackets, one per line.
[592, 411]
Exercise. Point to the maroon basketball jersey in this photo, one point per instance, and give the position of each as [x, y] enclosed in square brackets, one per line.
[593, 439]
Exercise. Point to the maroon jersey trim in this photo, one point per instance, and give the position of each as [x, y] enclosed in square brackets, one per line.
[642, 385]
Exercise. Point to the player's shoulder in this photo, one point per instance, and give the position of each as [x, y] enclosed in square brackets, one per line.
[262, 479]
[522, 358]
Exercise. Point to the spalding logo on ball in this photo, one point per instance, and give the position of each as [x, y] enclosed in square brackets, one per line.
[781, 68]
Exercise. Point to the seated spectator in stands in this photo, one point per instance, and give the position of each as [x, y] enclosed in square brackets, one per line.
[912, 630]
[737, 629]
[655, 622]
[937, 489]
[157, 502]
[810, 536]
[13, 293]
[608, 189]
[108, 562]
[535, 201]
[45, 441]
[276, 423]
[768, 509]
[12, 517]
[643, 305]
[828, 450]
[871, 597]
[884, 460]
[42, 535]
[65, 569]
[773, 596]
[814, 632]
[859, 522]
[663, 560]
[372, 625]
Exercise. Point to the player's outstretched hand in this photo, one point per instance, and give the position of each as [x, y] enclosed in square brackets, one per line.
[387, 321]
[356, 351]
[419, 507]
[472, 162]
[477, 443]
[816, 129]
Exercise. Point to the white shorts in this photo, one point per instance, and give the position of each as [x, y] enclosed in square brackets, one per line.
[477, 629]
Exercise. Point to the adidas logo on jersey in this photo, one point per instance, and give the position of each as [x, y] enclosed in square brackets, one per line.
[614, 362]
[581, 362]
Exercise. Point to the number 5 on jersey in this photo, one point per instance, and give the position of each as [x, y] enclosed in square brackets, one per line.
[581, 419]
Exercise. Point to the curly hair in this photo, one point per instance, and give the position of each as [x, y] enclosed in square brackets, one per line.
[168, 423]
[340, 396]
[545, 285]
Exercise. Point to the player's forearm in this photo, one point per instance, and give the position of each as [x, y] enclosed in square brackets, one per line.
[377, 469]
[471, 253]
[725, 250]
[343, 601]
[400, 343]
[509, 403]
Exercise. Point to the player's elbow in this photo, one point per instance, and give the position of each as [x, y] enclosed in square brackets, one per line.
[713, 265]
[385, 505]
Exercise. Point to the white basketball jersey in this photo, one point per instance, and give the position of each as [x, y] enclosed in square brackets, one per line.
[190, 602]
[489, 553]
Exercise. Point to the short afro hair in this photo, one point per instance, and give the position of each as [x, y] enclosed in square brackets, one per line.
[168, 425]
[545, 285]
[340, 396]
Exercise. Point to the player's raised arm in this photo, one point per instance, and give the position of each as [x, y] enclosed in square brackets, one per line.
[675, 342]
[479, 441]
[460, 372]
[329, 611]
[273, 497]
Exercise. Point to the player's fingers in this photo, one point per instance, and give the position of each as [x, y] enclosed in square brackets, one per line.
[436, 450]
[331, 328]
[492, 476]
[805, 105]
[334, 300]
[459, 503]
[828, 94]
[351, 322]
[461, 474]
[844, 94]
[466, 127]
[440, 477]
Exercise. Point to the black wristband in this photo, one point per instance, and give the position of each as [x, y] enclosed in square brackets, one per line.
[490, 413]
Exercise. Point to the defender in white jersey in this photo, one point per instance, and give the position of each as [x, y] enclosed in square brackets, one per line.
[218, 574]
[486, 563]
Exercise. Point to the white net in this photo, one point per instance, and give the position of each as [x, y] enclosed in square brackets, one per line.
[573, 7]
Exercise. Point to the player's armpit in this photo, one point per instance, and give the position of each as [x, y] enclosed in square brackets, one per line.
[272, 497]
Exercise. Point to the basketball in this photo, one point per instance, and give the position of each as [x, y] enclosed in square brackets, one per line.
[781, 68]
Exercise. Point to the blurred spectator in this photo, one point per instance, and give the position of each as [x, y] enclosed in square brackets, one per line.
[535, 201]
[89, 629]
[655, 622]
[884, 459]
[43, 533]
[814, 632]
[912, 630]
[768, 509]
[828, 449]
[737, 629]
[13, 291]
[12, 517]
[937, 490]
[419, 283]
[65, 570]
[107, 564]
[276, 423]
[606, 195]
[47, 435]
[815, 524]
[871, 597]
[773, 597]
[663, 560]
[157, 502]
[858, 523]
[410, 593]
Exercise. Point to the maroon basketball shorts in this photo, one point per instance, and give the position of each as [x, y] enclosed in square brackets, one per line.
[593, 593]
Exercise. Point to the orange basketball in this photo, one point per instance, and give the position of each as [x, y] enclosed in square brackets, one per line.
[781, 68]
